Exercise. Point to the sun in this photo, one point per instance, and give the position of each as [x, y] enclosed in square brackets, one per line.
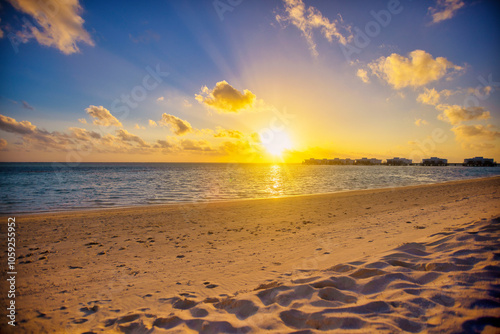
[278, 143]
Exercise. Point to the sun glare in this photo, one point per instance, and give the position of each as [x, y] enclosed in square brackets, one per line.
[278, 143]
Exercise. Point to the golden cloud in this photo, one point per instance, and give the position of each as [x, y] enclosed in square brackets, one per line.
[59, 24]
[363, 75]
[417, 70]
[196, 145]
[308, 19]
[455, 114]
[432, 96]
[228, 133]
[3, 144]
[225, 98]
[102, 116]
[177, 125]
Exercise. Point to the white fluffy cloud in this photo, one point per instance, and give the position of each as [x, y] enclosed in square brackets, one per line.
[59, 23]
[308, 19]
[445, 9]
[102, 116]
[416, 70]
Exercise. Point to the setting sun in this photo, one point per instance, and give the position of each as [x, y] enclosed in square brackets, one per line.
[279, 142]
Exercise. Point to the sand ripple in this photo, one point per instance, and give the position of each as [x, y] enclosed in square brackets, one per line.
[448, 283]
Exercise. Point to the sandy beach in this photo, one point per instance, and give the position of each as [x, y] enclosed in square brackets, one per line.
[419, 259]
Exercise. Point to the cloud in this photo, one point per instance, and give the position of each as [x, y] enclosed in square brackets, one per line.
[228, 133]
[9, 124]
[84, 134]
[102, 116]
[177, 125]
[163, 144]
[455, 114]
[420, 121]
[59, 24]
[161, 98]
[152, 123]
[138, 127]
[126, 136]
[432, 96]
[195, 145]
[308, 19]
[445, 9]
[468, 131]
[1, 31]
[82, 120]
[429, 96]
[225, 98]
[363, 75]
[3, 144]
[417, 70]
[27, 106]
[473, 137]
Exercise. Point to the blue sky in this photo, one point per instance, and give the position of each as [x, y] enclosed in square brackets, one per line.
[248, 80]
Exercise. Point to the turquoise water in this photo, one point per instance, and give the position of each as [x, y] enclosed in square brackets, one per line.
[41, 187]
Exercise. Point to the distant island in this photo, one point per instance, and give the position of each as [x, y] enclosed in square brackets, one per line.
[432, 161]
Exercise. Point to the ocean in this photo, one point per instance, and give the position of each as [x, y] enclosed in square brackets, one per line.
[50, 187]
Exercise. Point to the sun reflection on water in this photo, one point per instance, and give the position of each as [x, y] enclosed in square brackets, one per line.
[275, 184]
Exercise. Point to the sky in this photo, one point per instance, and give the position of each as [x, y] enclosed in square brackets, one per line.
[248, 81]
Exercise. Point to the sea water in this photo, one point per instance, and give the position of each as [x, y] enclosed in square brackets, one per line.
[42, 187]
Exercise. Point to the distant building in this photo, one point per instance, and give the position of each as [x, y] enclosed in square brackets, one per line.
[398, 161]
[366, 161]
[434, 161]
[338, 161]
[311, 161]
[479, 161]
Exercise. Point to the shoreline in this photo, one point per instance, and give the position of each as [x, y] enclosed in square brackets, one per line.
[111, 270]
[203, 203]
